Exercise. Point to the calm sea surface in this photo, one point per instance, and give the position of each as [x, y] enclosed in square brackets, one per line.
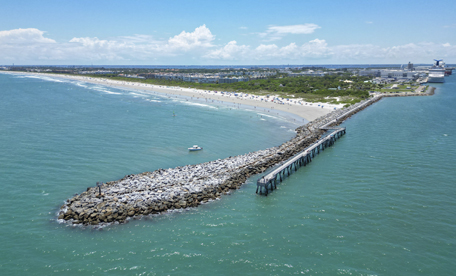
[379, 202]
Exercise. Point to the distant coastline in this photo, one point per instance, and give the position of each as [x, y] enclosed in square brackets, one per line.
[305, 110]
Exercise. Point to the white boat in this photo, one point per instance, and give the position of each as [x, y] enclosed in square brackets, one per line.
[195, 148]
[437, 72]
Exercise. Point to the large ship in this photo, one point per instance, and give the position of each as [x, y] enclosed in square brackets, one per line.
[437, 71]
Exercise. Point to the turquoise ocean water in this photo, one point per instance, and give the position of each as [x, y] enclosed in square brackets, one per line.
[379, 202]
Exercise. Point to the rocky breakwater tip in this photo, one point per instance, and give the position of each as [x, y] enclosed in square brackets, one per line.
[161, 190]
[182, 187]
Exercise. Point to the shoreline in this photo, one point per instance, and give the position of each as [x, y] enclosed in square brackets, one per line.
[296, 107]
[164, 190]
[167, 190]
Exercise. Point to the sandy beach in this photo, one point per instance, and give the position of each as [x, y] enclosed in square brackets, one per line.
[296, 106]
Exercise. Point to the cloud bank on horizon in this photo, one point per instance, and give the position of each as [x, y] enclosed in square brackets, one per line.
[33, 46]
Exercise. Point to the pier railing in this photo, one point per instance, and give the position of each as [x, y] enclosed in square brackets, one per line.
[269, 181]
[343, 115]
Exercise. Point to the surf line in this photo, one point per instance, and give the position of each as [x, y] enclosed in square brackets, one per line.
[170, 189]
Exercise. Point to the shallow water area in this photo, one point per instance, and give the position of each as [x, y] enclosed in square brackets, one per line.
[379, 202]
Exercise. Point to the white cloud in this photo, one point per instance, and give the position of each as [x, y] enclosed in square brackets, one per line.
[319, 50]
[201, 37]
[230, 51]
[313, 49]
[138, 38]
[23, 37]
[31, 46]
[277, 32]
[295, 29]
[243, 28]
[289, 50]
[25, 44]
[270, 37]
[369, 22]
[316, 48]
[97, 49]
[90, 42]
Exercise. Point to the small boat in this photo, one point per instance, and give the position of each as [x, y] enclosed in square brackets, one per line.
[195, 148]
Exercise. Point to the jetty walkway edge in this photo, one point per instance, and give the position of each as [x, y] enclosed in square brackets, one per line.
[189, 186]
[269, 181]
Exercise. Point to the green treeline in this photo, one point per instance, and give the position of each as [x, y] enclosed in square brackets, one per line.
[349, 89]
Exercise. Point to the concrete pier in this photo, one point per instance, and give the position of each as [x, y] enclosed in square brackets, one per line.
[269, 181]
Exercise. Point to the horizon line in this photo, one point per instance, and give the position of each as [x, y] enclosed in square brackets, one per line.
[245, 65]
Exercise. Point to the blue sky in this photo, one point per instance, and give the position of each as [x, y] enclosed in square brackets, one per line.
[226, 32]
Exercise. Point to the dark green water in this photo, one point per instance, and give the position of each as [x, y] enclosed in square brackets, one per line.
[379, 202]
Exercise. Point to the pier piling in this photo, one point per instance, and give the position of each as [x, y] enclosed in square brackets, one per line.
[269, 181]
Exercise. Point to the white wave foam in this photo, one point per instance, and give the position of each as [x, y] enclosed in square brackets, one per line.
[46, 78]
[110, 92]
[265, 115]
[199, 104]
[81, 84]
[106, 91]
[139, 95]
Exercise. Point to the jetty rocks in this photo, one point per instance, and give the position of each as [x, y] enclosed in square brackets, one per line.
[188, 186]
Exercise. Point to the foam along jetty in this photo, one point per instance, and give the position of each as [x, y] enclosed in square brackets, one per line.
[188, 186]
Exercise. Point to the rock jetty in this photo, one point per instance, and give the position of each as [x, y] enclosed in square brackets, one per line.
[188, 186]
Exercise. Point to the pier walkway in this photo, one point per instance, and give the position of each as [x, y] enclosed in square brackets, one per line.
[343, 115]
[269, 181]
